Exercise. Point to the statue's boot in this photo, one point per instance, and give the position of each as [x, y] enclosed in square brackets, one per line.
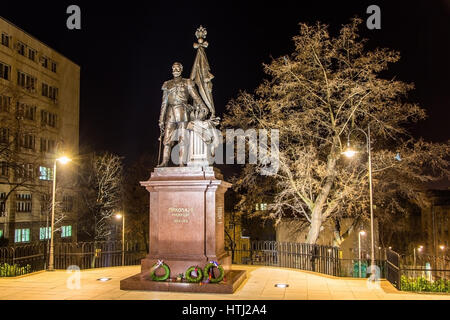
[166, 157]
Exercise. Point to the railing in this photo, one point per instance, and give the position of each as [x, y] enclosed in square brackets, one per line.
[19, 260]
[323, 259]
[28, 258]
[393, 268]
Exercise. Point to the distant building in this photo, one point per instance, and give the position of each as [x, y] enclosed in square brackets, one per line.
[39, 118]
[435, 217]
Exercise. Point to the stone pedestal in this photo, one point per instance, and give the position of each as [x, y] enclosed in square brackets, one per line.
[186, 225]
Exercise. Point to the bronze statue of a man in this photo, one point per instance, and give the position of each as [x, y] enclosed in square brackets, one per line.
[175, 111]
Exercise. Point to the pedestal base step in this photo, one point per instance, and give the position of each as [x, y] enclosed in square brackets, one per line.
[142, 282]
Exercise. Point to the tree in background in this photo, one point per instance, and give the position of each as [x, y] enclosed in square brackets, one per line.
[137, 199]
[315, 97]
[100, 186]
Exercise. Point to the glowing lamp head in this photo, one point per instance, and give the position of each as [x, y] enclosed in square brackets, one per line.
[442, 247]
[118, 216]
[63, 159]
[349, 152]
[362, 232]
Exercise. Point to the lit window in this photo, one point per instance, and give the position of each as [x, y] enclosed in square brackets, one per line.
[44, 233]
[1, 233]
[261, 206]
[45, 173]
[66, 231]
[22, 235]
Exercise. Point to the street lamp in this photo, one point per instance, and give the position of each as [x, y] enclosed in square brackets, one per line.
[118, 217]
[350, 153]
[361, 233]
[62, 160]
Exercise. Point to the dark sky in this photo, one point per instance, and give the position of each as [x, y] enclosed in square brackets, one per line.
[126, 49]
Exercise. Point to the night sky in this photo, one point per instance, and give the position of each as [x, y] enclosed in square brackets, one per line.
[126, 49]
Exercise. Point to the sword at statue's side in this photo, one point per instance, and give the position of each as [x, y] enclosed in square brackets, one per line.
[160, 141]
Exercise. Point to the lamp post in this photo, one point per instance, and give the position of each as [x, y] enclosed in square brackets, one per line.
[442, 247]
[62, 160]
[350, 153]
[122, 216]
[361, 233]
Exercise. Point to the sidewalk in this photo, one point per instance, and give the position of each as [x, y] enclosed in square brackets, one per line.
[258, 286]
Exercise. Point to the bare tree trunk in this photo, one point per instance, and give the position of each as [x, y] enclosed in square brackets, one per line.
[317, 211]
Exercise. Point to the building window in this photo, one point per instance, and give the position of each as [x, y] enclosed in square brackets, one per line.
[51, 146]
[48, 118]
[67, 205]
[66, 231]
[4, 135]
[5, 71]
[4, 168]
[26, 81]
[44, 233]
[5, 103]
[5, 39]
[28, 141]
[54, 66]
[1, 233]
[261, 206]
[44, 62]
[2, 204]
[24, 202]
[49, 91]
[21, 48]
[26, 111]
[32, 54]
[22, 235]
[45, 173]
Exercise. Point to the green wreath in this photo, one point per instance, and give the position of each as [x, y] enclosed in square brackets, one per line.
[194, 279]
[210, 265]
[164, 277]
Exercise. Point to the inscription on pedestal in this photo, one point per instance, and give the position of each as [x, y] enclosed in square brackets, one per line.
[180, 215]
[219, 215]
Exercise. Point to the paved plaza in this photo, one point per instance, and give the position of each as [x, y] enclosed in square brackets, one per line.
[260, 285]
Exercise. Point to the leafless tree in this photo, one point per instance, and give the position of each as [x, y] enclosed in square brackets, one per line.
[100, 183]
[137, 199]
[315, 97]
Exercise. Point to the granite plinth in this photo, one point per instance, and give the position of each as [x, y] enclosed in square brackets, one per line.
[142, 281]
[186, 222]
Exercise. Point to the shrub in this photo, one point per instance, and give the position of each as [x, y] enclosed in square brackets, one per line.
[7, 270]
[423, 285]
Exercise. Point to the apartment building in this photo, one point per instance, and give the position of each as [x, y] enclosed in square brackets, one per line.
[39, 120]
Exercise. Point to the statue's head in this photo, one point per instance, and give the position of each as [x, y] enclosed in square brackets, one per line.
[177, 69]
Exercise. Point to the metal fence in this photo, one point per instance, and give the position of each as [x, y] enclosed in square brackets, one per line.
[33, 257]
[422, 273]
[323, 259]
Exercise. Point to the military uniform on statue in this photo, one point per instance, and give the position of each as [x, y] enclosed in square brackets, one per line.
[187, 202]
